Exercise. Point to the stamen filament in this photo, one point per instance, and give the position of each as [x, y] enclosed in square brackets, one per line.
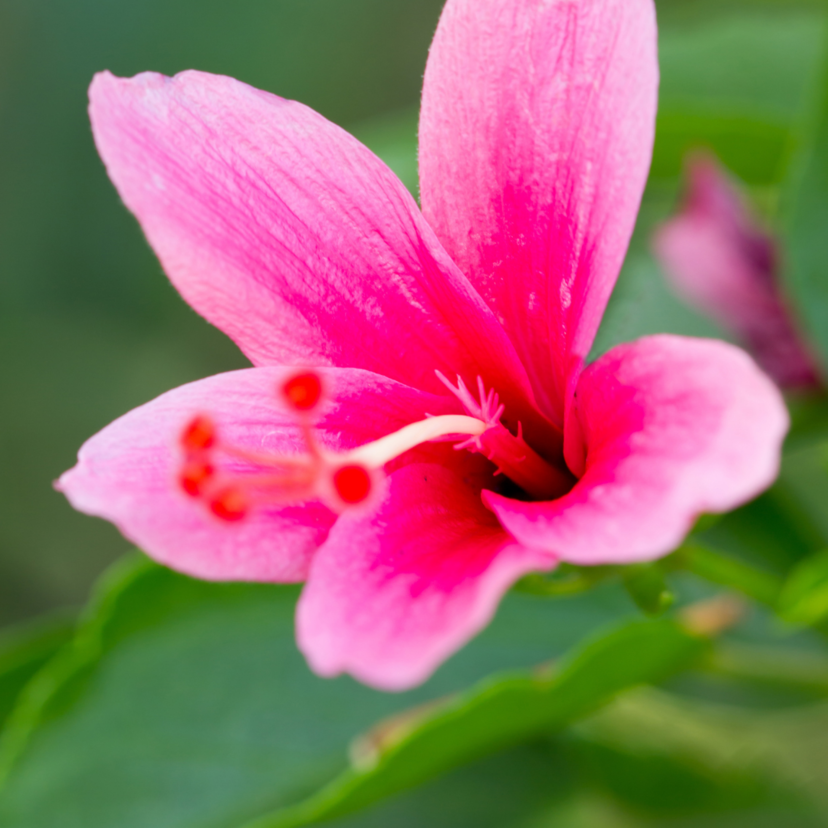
[299, 477]
[261, 459]
[381, 451]
[310, 439]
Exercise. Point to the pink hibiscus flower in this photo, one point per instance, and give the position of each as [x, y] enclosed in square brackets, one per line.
[373, 478]
[721, 261]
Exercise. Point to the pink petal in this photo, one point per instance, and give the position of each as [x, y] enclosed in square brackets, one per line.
[392, 595]
[721, 261]
[672, 427]
[126, 473]
[291, 236]
[536, 134]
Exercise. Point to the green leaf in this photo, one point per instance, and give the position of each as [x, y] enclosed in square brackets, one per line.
[728, 572]
[672, 757]
[789, 667]
[24, 651]
[804, 597]
[566, 579]
[806, 220]
[649, 759]
[183, 704]
[506, 790]
[500, 712]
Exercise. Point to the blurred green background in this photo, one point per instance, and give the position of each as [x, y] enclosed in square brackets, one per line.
[89, 327]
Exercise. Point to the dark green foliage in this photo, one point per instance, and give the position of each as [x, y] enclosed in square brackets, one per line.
[186, 703]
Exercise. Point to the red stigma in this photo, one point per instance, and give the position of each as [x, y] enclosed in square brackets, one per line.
[199, 435]
[194, 476]
[229, 504]
[302, 392]
[231, 481]
[352, 483]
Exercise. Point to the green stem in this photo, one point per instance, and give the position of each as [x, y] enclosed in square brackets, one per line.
[566, 581]
[755, 583]
[769, 665]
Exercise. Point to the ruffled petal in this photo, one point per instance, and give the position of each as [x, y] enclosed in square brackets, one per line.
[291, 236]
[671, 428]
[127, 472]
[392, 595]
[722, 262]
[536, 135]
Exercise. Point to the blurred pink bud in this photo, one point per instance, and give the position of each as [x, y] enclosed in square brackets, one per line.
[719, 259]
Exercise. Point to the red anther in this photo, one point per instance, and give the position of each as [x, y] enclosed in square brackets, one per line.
[200, 434]
[194, 476]
[302, 392]
[229, 504]
[352, 483]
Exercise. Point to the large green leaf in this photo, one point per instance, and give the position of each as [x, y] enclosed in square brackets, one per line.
[673, 757]
[24, 651]
[184, 703]
[649, 759]
[500, 712]
[507, 790]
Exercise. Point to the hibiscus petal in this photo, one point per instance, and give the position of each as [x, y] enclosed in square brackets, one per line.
[672, 427]
[536, 135]
[126, 473]
[393, 594]
[291, 236]
[721, 261]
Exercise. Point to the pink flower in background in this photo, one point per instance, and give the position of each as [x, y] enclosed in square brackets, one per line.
[281, 229]
[721, 261]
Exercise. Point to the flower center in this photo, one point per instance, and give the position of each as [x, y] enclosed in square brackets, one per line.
[350, 479]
